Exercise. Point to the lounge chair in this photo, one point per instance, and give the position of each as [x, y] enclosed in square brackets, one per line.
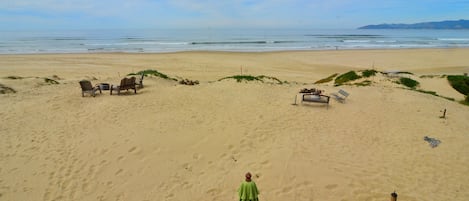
[341, 95]
[126, 84]
[140, 81]
[86, 87]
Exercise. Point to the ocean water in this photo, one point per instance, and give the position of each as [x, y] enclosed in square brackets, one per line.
[245, 40]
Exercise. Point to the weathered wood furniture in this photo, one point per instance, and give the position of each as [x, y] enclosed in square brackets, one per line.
[87, 87]
[126, 84]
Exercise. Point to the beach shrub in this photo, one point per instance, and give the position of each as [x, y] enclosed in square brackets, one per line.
[261, 78]
[327, 79]
[369, 73]
[408, 82]
[188, 82]
[460, 83]
[154, 73]
[346, 77]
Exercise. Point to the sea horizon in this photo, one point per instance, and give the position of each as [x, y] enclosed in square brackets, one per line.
[228, 39]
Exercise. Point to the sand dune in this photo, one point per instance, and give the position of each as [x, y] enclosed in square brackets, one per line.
[178, 142]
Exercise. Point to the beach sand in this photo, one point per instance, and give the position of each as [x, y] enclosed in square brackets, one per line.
[179, 142]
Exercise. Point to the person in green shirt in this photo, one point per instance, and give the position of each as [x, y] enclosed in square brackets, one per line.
[248, 190]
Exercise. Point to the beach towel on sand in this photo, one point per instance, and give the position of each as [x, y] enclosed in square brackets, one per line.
[248, 191]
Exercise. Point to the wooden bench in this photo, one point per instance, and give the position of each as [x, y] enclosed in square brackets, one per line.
[315, 98]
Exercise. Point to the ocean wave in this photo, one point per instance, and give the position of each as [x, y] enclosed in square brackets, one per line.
[332, 36]
[227, 42]
[243, 42]
[355, 41]
[453, 39]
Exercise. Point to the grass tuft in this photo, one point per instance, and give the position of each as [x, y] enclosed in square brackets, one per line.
[248, 78]
[154, 73]
[408, 82]
[327, 79]
[369, 73]
[460, 83]
[346, 77]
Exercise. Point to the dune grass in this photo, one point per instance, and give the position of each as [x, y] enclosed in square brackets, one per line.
[346, 77]
[369, 73]
[327, 79]
[460, 83]
[154, 73]
[248, 78]
[408, 82]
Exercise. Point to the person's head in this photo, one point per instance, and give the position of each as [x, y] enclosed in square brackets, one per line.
[248, 176]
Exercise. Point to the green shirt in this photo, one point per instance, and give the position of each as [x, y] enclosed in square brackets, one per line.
[248, 191]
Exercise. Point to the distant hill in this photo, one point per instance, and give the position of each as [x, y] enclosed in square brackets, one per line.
[450, 24]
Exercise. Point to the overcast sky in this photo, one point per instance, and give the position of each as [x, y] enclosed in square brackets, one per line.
[79, 14]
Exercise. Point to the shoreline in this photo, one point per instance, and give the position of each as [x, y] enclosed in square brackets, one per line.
[241, 52]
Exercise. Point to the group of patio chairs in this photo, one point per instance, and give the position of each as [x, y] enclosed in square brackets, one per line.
[125, 84]
[315, 96]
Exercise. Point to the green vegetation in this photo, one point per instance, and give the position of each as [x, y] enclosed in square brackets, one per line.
[433, 93]
[369, 73]
[408, 82]
[346, 77]
[50, 81]
[327, 79]
[465, 101]
[154, 73]
[460, 83]
[261, 78]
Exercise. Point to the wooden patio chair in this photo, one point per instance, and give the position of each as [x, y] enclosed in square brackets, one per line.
[126, 84]
[87, 87]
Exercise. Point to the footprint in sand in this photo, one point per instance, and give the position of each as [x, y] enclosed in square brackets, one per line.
[118, 172]
[132, 149]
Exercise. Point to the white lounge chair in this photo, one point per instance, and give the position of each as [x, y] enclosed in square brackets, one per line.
[341, 95]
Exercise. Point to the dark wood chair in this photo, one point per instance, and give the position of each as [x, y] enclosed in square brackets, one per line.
[126, 84]
[87, 87]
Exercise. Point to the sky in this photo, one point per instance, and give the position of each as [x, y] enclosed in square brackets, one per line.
[318, 14]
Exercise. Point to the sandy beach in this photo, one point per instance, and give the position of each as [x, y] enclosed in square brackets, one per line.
[177, 142]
